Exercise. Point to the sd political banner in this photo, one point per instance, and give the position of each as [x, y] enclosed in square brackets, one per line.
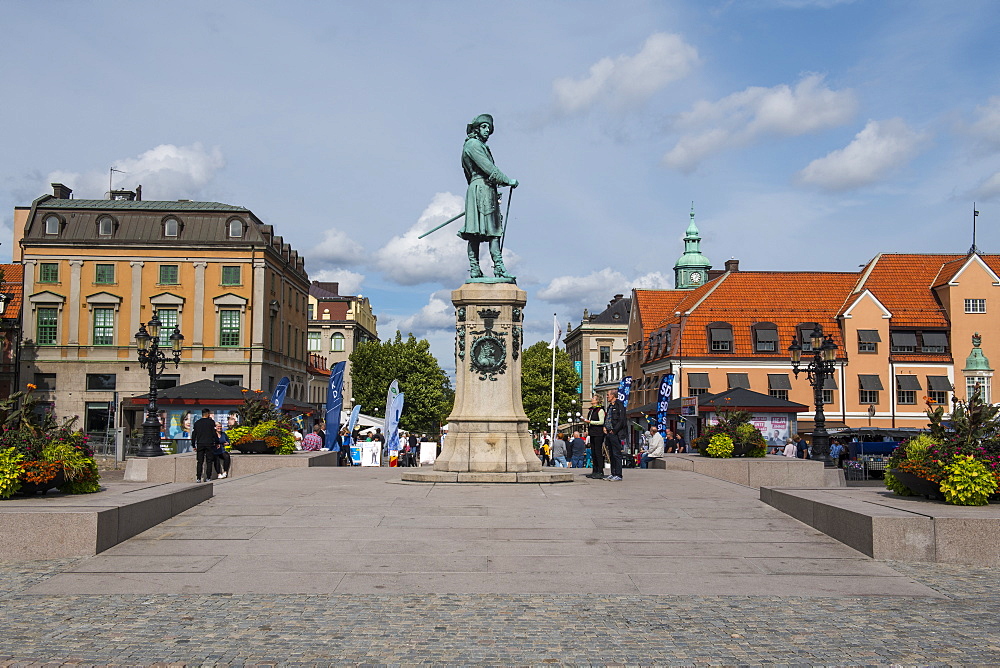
[334, 405]
[625, 389]
[663, 402]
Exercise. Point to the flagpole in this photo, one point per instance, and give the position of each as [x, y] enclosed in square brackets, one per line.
[552, 407]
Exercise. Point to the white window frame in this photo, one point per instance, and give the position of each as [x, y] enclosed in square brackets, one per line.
[975, 306]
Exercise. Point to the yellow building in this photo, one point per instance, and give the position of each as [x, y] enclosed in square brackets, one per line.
[95, 269]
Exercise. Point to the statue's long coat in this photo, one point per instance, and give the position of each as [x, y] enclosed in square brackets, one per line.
[482, 211]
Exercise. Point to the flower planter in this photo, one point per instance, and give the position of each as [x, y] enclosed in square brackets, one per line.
[254, 448]
[919, 486]
[29, 488]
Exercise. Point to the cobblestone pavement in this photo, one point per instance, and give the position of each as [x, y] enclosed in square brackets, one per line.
[41, 625]
[294, 630]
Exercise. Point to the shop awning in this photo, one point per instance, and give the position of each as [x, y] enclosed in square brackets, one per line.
[870, 382]
[778, 381]
[698, 381]
[939, 384]
[738, 380]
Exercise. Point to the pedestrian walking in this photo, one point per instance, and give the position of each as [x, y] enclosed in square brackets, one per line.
[578, 451]
[205, 440]
[595, 433]
[790, 450]
[223, 460]
[615, 433]
[559, 451]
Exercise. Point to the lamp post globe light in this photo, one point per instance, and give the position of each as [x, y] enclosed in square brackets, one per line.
[153, 359]
[822, 366]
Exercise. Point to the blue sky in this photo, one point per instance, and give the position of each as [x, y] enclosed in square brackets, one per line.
[808, 134]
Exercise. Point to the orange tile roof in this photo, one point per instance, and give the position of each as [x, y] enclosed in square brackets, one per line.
[903, 282]
[657, 305]
[745, 298]
[13, 285]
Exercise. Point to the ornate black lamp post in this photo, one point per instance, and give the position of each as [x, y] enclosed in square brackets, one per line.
[155, 360]
[821, 367]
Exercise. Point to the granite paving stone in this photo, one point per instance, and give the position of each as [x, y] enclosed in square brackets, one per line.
[582, 573]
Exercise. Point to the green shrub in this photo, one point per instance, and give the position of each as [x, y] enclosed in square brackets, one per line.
[10, 472]
[968, 483]
[720, 445]
[85, 481]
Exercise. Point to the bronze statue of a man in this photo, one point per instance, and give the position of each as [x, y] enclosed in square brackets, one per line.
[483, 221]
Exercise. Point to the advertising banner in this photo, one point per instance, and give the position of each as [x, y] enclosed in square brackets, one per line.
[334, 405]
[280, 390]
[663, 402]
[392, 426]
[624, 390]
[578, 365]
[390, 396]
[353, 419]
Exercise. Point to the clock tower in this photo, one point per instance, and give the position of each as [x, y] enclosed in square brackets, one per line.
[691, 269]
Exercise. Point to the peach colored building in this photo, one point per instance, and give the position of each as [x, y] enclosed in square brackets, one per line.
[904, 325]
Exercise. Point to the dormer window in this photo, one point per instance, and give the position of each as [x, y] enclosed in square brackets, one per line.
[105, 226]
[765, 337]
[171, 227]
[235, 228]
[720, 336]
[52, 224]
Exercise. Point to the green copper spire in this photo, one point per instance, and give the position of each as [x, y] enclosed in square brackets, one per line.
[977, 361]
[692, 267]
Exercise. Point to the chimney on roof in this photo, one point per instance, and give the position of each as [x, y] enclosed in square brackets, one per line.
[125, 195]
[732, 266]
[61, 192]
[138, 193]
[615, 300]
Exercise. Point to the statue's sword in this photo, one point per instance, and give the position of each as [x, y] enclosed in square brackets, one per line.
[450, 220]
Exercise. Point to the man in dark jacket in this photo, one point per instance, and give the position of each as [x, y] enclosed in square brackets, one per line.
[205, 439]
[615, 433]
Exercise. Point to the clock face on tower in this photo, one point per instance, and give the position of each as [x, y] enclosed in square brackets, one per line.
[696, 277]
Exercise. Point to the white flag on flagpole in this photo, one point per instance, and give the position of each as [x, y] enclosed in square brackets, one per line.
[556, 332]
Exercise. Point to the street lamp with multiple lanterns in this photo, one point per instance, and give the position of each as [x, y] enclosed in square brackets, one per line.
[152, 358]
[821, 367]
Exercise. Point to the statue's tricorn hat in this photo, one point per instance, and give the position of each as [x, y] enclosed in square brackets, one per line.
[479, 120]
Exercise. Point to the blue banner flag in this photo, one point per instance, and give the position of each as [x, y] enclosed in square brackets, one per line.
[334, 405]
[663, 401]
[392, 423]
[354, 419]
[625, 389]
[278, 396]
[389, 398]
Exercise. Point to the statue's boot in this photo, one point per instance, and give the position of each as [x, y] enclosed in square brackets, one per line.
[474, 270]
[498, 269]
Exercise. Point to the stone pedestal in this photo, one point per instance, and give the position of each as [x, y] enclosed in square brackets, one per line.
[488, 430]
[488, 439]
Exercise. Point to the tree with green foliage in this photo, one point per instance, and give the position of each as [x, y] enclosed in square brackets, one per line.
[429, 395]
[536, 385]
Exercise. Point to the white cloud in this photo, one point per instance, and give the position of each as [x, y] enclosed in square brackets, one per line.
[624, 80]
[654, 280]
[597, 287]
[989, 188]
[744, 117]
[166, 172]
[350, 281]
[880, 148]
[336, 248]
[437, 314]
[440, 257]
[986, 127]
